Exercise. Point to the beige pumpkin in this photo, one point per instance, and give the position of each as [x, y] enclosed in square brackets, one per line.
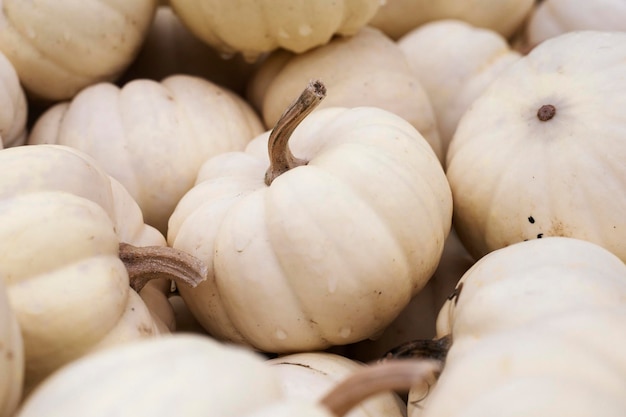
[11, 357]
[555, 17]
[254, 27]
[454, 80]
[398, 17]
[151, 136]
[301, 238]
[540, 153]
[14, 107]
[309, 376]
[534, 314]
[367, 69]
[170, 48]
[58, 48]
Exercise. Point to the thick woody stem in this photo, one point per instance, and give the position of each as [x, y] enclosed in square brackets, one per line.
[390, 375]
[281, 158]
[155, 262]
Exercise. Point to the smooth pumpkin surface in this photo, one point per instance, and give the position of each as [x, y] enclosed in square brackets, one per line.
[14, 107]
[11, 357]
[254, 27]
[301, 241]
[540, 153]
[58, 48]
[151, 136]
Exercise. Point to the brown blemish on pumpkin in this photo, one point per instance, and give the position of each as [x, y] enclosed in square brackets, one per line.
[456, 293]
[546, 112]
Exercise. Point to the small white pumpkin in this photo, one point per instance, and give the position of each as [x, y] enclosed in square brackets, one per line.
[454, 80]
[555, 17]
[541, 152]
[58, 48]
[253, 27]
[11, 357]
[398, 17]
[343, 236]
[14, 107]
[151, 136]
[367, 69]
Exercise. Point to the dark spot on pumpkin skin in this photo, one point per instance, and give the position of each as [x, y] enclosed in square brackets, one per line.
[540, 235]
[546, 112]
[531, 219]
[456, 293]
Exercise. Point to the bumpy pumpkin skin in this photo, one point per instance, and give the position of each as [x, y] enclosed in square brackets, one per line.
[454, 80]
[556, 17]
[185, 375]
[253, 27]
[66, 284]
[151, 136]
[520, 169]
[398, 17]
[13, 104]
[290, 266]
[58, 48]
[11, 357]
[367, 69]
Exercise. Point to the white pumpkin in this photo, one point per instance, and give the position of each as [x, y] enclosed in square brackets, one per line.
[343, 240]
[367, 69]
[309, 376]
[255, 27]
[541, 152]
[14, 107]
[398, 17]
[453, 80]
[151, 136]
[58, 48]
[11, 357]
[556, 17]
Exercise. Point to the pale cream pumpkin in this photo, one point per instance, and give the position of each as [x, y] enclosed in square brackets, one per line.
[343, 239]
[58, 48]
[398, 17]
[309, 376]
[367, 69]
[11, 357]
[541, 152]
[170, 48]
[555, 17]
[453, 80]
[193, 376]
[151, 136]
[14, 107]
[255, 27]
[548, 309]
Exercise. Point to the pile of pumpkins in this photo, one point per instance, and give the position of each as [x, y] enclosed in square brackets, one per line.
[355, 207]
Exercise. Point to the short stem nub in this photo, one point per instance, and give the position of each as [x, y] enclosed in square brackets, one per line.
[154, 262]
[546, 112]
[281, 158]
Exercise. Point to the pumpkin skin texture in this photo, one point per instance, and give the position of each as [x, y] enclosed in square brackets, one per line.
[14, 108]
[183, 375]
[551, 155]
[367, 69]
[299, 240]
[309, 376]
[547, 313]
[151, 136]
[170, 48]
[555, 17]
[59, 48]
[255, 27]
[66, 284]
[398, 17]
[11, 357]
[454, 81]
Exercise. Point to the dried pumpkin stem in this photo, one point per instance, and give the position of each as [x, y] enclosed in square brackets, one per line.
[436, 349]
[281, 158]
[391, 375]
[155, 262]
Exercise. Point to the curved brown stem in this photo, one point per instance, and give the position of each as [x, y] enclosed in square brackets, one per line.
[391, 375]
[154, 262]
[281, 158]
